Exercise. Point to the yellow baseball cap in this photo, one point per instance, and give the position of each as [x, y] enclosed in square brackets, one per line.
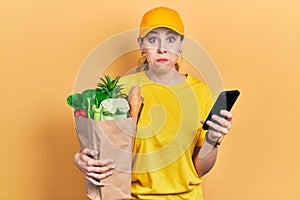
[161, 17]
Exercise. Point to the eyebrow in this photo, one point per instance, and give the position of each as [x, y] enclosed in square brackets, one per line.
[172, 32]
[154, 32]
[168, 33]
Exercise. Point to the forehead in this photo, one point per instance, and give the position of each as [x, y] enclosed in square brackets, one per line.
[162, 30]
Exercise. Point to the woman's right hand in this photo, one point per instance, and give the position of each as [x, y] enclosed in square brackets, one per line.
[94, 170]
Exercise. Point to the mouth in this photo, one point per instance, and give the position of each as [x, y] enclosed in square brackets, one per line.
[162, 60]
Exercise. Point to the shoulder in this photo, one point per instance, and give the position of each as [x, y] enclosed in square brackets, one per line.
[197, 84]
[135, 79]
[132, 78]
[201, 89]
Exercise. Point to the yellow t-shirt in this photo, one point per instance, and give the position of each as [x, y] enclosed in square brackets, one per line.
[168, 130]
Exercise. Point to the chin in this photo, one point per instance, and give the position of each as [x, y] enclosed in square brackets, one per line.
[162, 65]
[161, 68]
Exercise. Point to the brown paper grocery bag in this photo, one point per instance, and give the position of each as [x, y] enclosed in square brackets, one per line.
[114, 140]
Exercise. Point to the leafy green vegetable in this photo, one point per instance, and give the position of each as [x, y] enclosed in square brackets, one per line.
[104, 102]
[75, 101]
[110, 87]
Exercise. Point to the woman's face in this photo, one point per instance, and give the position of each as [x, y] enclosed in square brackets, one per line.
[162, 47]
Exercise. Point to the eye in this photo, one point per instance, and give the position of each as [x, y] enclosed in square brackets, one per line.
[152, 39]
[171, 39]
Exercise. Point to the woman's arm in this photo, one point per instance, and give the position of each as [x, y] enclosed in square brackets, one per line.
[205, 157]
[93, 170]
[204, 165]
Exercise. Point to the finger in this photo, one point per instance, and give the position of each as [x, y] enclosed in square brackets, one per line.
[86, 151]
[90, 152]
[92, 169]
[217, 127]
[103, 162]
[99, 177]
[95, 182]
[223, 122]
[87, 154]
[100, 163]
[227, 114]
[87, 159]
[214, 135]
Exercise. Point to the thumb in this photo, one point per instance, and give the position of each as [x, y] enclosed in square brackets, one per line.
[94, 152]
[90, 152]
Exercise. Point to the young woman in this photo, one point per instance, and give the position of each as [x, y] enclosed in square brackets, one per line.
[171, 152]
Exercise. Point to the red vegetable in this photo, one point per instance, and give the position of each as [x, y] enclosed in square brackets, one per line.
[80, 113]
[77, 113]
[83, 113]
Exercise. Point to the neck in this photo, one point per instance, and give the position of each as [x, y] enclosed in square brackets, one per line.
[170, 78]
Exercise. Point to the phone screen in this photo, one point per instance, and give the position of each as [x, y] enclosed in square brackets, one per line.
[225, 101]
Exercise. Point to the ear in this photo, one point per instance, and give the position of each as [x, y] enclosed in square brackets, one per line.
[181, 47]
[140, 41]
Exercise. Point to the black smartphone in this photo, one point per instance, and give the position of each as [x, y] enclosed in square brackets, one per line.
[225, 101]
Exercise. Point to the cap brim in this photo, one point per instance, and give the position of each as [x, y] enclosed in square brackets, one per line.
[145, 31]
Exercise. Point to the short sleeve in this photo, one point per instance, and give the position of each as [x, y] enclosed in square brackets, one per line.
[201, 137]
[133, 79]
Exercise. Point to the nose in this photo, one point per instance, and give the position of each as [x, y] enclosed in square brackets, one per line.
[161, 49]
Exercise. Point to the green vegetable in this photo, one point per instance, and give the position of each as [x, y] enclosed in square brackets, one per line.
[89, 100]
[110, 87]
[100, 96]
[104, 102]
[97, 112]
[75, 101]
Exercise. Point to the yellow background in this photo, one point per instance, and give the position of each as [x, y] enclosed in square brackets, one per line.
[255, 45]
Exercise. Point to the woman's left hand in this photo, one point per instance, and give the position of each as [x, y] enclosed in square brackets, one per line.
[218, 130]
[206, 155]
